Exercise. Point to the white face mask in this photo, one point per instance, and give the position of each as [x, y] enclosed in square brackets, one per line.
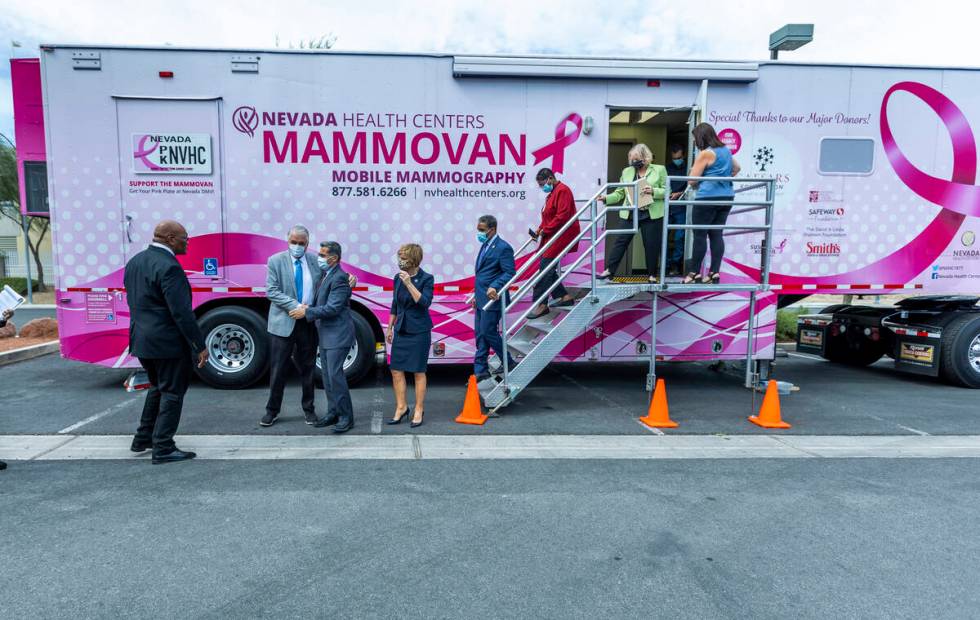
[322, 262]
[297, 250]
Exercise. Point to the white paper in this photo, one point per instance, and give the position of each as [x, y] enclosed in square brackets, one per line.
[9, 299]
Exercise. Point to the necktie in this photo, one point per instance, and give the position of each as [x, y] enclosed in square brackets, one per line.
[299, 280]
[479, 256]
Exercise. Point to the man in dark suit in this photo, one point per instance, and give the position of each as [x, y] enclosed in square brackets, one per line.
[330, 310]
[163, 333]
[494, 268]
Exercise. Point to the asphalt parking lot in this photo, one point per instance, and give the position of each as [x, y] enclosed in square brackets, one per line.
[49, 394]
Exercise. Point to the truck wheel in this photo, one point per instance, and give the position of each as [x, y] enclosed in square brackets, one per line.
[238, 347]
[960, 360]
[360, 359]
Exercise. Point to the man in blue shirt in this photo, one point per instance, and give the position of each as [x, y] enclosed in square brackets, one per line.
[494, 268]
[676, 167]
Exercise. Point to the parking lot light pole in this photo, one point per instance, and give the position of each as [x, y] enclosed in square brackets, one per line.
[789, 37]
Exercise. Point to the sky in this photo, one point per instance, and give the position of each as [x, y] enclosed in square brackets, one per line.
[847, 31]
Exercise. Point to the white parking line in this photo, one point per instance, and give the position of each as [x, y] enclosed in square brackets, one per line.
[407, 447]
[98, 416]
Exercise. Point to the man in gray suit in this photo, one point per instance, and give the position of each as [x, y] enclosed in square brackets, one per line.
[330, 310]
[290, 280]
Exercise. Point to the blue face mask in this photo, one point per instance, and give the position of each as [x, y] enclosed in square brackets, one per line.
[482, 237]
[547, 187]
[678, 162]
[322, 262]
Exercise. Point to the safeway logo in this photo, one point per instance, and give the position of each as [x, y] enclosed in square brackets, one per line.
[827, 213]
[246, 120]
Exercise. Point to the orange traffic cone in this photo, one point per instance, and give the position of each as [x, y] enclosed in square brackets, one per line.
[472, 412]
[659, 416]
[769, 415]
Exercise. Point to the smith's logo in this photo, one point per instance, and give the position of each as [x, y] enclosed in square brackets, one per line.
[822, 249]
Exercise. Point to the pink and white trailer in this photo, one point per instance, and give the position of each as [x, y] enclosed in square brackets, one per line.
[856, 179]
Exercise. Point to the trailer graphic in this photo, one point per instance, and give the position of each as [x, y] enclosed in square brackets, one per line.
[872, 174]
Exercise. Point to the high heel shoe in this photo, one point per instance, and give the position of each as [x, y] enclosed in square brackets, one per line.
[415, 424]
[711, 278]
[398, 420]
[690, 278]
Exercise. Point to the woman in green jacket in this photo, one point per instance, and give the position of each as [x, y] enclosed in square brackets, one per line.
[651, 216]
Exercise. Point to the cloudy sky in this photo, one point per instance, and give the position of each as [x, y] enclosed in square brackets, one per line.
[868, 31]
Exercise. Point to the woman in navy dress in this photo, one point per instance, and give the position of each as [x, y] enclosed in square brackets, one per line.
[410, 331]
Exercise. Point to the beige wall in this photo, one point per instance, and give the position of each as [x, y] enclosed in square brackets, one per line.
[15, 259]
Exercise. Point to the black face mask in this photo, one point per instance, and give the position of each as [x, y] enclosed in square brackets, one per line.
[637, 163]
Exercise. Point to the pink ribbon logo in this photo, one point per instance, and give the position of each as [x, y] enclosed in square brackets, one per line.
[959, 194]
[142, 153]
[556, 150]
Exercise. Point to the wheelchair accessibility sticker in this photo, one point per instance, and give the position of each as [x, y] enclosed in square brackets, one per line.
[210, 266]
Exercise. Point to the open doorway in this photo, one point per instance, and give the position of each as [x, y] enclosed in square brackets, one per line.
[660, 130]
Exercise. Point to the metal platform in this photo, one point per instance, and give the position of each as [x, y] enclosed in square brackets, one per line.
[536, 342]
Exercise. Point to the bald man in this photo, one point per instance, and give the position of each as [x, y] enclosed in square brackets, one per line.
[163, 334]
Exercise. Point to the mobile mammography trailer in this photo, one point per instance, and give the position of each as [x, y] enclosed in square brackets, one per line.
[864, 185]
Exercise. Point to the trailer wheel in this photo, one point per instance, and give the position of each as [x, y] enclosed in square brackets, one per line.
[238, 347]
[360, 359]
[960, 358]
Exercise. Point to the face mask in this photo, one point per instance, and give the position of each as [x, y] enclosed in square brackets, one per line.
[637, 163]
[482, 237]
[678, 162]
[403, 264]
[324, 263]
[547, 187]
[296, 250]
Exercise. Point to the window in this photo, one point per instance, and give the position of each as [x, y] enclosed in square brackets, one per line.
[36, 186]
[847, 156]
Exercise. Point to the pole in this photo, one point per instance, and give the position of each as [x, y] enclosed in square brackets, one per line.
[27, 259]
[652, 373]
[773, 54]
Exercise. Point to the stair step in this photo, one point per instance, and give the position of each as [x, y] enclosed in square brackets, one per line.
[522, 347]
[540, 326]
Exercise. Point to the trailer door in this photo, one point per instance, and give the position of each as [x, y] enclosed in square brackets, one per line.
[170, 168]
[699, 111]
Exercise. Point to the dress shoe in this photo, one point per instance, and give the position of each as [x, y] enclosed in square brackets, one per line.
[537, 315]
[344, 425]
[140, 446]
[482, 377]
[327, 420]
[268, 419]
[400, 416]
[310, 417]
[563, 303]
[173, 456]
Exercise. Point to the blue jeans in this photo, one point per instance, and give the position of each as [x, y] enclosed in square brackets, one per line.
[675, 256]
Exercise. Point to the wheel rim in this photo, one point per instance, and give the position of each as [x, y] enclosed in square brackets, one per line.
[348, 361]
[231, 348]
[973, 354]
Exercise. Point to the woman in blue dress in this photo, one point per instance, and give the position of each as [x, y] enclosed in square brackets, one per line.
[410, 331]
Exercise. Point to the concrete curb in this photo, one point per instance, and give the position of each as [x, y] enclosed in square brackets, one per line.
[27, 353]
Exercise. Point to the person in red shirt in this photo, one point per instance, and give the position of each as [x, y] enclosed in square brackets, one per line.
[559, 208]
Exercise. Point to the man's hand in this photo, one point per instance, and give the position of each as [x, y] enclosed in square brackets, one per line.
[351, 280]
[404, 277]
[299, 312]
[492, 293]
[472, 302]
[7, 314]
[202, 358]
[676, 195]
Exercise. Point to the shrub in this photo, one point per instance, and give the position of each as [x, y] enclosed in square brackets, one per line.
[786, 324]
[18, 284]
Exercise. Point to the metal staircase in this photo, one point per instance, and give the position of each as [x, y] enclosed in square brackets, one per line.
[535, 343]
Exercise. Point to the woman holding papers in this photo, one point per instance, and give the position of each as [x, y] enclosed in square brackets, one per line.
[652, 187]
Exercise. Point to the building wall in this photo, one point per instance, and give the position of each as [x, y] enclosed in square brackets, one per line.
[12, 235]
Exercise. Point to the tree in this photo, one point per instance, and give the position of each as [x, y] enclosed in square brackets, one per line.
[10, 208]
[323, 42]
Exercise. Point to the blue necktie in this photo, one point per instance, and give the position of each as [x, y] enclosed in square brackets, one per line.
[299, 281]
[479, 257]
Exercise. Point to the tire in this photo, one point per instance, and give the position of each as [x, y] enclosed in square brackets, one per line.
[960, 358]
[360, 360]
[238, 347]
